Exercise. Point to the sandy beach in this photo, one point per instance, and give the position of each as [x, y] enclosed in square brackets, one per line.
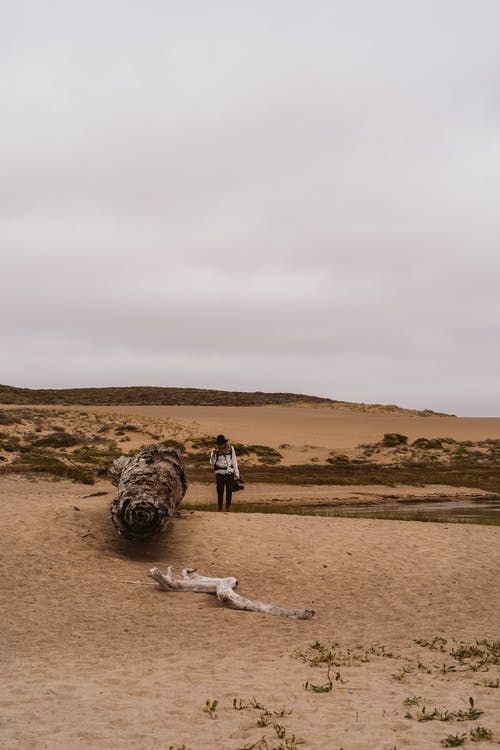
[95, 656]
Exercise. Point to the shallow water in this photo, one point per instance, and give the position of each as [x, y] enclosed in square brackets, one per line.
[464, 510]
[471, 510]
[478, 510]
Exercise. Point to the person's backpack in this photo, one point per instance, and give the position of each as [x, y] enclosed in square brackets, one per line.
[228, 453]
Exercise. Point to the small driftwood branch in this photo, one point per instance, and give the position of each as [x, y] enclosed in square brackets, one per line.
[223, 588]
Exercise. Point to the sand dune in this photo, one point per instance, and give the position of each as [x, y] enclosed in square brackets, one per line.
[90, 660]
[301, 434]
[317, 426]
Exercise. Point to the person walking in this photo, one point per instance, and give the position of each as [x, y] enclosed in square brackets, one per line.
[223, 459]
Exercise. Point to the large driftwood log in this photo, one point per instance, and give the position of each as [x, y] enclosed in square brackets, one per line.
[223, 588]
[150, 487]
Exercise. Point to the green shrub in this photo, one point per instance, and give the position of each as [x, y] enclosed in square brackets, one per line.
[10, 443]
[198, 458]
[265, 454]
[90, 455]
[241, 449]
[57, 440]
[207, 441]
[47, 463]
[459, 458]
[337, 459]
[391, 439]
[171, 443]
[428, 443]
[7, 417]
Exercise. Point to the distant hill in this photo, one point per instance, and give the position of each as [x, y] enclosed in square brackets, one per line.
[155, 396]
[149, 395]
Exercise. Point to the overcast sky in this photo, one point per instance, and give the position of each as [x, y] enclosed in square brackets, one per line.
[262, 195]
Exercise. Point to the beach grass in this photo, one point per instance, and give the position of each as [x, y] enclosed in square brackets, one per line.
[482, 476]
[386, 515]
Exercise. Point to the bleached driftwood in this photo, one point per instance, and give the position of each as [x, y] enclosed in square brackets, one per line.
[150, 485]
[223, 588]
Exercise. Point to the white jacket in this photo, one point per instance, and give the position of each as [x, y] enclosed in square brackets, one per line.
[224, 462]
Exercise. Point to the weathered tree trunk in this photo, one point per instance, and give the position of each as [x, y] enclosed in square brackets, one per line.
[223, 588]
[150, 487]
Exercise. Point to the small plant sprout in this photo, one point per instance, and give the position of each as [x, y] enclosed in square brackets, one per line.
[238, 704]
[454, 740]
[255, 704]
[423, 667]
[480, 733]
[424, 716]
[403, 672]
[437, 643]
[447, 668]
[471, 713]
[290, 743]
[283, 712]
[280, 729]
[259, 745]
[412, 700]
[435, 715]
[327, 687]
[210, 708]
[264, 719]
[467, 651]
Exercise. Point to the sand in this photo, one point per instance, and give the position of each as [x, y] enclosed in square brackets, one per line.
[95, 656]
[314, 426]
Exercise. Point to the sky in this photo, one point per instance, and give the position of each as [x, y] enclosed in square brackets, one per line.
[272, 195]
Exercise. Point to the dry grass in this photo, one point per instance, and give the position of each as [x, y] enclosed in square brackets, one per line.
[465, 475]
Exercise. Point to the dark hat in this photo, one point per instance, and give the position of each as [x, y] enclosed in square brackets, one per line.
[221, 440]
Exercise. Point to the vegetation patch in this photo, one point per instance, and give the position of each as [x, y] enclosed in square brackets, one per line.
[150, 395]
[88, 454]
[470, 714]
[338, 459]
[265, 454]
[241, 449]
[428, 443]
[10, 443]
[198, 460]
[486, 477]
[205, 441]
[58, 439]
[47, 463]
[199, 457]
[171, 443]
[391, 439]
[8, 417]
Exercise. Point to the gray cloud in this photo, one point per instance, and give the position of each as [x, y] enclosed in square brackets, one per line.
[265, 196]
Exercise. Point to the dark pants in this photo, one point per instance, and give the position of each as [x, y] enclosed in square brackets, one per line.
[224, 481]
